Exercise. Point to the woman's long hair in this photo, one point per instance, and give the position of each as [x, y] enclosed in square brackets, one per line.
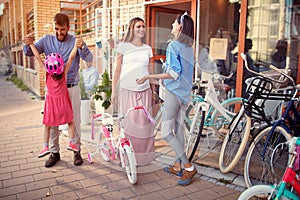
[130, 34]
[186, 35]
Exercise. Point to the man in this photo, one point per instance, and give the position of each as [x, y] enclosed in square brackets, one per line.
[90, 77]
[63, 43]
[251, 66]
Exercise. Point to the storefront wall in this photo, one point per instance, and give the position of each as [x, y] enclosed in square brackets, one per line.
[265, 25]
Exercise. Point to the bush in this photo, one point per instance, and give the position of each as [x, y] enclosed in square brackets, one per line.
[103, 91]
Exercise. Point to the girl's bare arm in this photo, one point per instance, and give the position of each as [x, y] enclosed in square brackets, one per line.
[154, 76]
[37, 55]
[70, 60]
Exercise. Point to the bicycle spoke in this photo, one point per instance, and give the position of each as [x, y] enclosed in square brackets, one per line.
[258, 166]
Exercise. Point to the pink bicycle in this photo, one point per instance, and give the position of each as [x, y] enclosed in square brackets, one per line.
[110, 147]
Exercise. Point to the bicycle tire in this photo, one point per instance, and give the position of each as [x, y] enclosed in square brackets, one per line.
[191, 135]
[195, 133]
[261, 192]
[258, 170]
[130, 164]
[219, 121]
[235, 142]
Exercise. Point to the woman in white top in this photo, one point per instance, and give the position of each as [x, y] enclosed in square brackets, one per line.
[133, 61]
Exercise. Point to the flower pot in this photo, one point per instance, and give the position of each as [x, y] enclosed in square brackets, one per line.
[84, 112]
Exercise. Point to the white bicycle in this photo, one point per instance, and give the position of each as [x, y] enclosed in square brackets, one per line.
[208, 113]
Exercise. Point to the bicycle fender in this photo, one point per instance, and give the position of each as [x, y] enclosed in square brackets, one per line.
[232, 99]
[224, 103]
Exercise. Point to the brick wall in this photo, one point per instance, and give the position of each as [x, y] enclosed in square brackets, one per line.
[43, 15]
[43, 12]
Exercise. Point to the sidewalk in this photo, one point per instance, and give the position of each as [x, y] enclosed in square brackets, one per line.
[23, 175]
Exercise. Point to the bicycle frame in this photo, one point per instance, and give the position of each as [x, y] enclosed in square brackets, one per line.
[209, 112]
[212, 105]
[290, 176]
[280, 122]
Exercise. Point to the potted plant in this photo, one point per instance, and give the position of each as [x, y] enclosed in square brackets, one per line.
[103, 91]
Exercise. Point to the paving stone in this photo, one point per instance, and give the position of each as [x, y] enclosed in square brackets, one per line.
[23, 175]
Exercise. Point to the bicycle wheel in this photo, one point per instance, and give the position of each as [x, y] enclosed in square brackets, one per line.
[219, 123]
[195, 132]
[235, 142]
[258, 170]
[129, 163]
[261, 192]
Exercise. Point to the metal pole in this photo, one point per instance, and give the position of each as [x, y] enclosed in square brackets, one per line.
[197, 39]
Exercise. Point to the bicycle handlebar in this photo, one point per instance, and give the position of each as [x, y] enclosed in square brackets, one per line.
[269, 77]
[101, 116]
[117, 117]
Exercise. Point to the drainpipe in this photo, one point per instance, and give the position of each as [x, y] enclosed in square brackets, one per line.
[197, 39]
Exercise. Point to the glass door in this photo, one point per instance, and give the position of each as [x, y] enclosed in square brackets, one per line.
[161, 21]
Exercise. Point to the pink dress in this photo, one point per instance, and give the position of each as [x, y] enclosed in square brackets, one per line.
[58, 107]
[137, 126]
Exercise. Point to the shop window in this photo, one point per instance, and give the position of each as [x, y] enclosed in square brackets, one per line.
[19, 33]
[30, 62]
[20, 58]
[30, 21]
[296, 22]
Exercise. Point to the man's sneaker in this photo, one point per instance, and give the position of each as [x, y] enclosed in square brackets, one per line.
[171, 170]
[54, 157]
[72, 147]
[77, 158]
[45, 151]
[187, 177]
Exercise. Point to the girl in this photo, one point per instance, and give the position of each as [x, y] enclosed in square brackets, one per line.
[178, 77]
[133, 60]
[58, 107]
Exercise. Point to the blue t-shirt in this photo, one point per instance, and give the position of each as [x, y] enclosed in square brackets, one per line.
[180, 65]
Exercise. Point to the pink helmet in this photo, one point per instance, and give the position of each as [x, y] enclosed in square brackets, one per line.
[54, 64]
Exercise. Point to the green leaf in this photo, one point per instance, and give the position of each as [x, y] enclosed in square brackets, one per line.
[103, 91]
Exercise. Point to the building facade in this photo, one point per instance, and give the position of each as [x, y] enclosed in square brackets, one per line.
[102, 24]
